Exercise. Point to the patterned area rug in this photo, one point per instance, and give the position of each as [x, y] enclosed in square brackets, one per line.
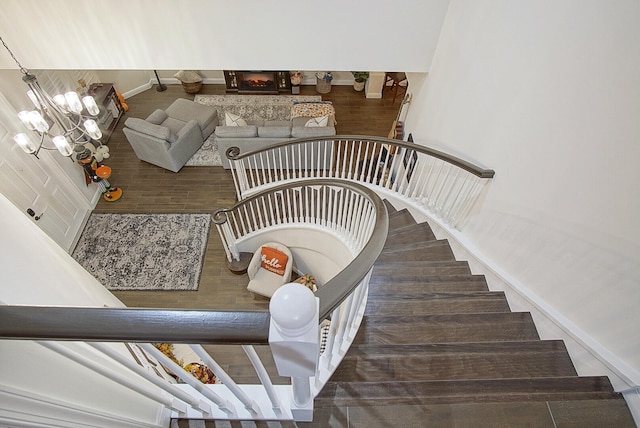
[144, 251]
[249, 107]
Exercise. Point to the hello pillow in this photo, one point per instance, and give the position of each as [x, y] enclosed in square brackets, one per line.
[231, 119]
[274, 260]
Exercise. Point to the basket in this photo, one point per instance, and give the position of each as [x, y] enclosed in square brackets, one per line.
[322, 86]
[192, 88]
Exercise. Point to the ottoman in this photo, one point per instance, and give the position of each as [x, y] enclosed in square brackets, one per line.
[186, 110]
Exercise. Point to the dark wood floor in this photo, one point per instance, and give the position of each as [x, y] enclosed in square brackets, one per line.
[149, 189]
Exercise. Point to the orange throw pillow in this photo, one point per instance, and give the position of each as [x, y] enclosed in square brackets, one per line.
[274, 260]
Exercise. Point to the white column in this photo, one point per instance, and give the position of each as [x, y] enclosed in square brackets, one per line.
[294, 336]
[375, 82]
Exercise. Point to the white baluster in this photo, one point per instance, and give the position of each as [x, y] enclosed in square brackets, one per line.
[131, 383]
[264, 378]
[159, 382]
[223, 404]
[227, 381]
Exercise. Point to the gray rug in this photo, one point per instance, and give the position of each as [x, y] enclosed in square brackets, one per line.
[249, 107]
[144, 251]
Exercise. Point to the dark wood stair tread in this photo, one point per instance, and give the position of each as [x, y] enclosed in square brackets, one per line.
[446, 328]
[427, 251]
[411, 233]
[443, 276]
[503, 360]
[461, 391]
[390, 288]
[401, 218]
[445, 303]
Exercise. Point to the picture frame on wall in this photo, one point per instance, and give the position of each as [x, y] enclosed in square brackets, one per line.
[410, 159]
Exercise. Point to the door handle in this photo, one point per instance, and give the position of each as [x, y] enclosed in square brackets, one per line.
[32, 213]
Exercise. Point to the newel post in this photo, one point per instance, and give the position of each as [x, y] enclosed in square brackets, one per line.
[294, 336]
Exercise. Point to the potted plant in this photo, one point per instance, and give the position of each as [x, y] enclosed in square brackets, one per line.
[360, 77]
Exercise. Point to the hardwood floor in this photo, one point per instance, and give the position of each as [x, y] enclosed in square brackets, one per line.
[149, 189]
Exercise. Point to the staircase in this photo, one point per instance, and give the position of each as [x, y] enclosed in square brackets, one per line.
[437, 348]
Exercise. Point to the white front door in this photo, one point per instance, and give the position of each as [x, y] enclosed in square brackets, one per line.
[40, 186]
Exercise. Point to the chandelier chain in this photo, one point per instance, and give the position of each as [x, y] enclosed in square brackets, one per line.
[22, 69]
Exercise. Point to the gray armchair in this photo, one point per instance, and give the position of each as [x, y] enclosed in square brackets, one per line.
[169, 138]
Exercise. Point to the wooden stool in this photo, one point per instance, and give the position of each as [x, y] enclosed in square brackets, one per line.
[396, 79]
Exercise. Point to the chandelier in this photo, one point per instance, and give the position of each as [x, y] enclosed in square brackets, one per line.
[64, 122]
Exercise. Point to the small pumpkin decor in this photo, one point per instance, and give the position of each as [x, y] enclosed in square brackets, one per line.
[201, 372]
[197, 369]
[308, 281]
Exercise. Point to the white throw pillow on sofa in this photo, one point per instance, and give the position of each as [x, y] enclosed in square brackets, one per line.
[231, 119]
[317, 122]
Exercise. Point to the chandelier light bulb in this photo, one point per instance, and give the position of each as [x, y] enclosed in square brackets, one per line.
[73, 100]
[62, 145]
[92, 129]
[38, 121]
[91, 105]
[25, 143]
[61, 101]
[24, 118]
[34, 99]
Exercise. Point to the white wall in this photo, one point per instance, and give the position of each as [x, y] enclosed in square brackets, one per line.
[222, 35]
[546, 93]
[36, 271]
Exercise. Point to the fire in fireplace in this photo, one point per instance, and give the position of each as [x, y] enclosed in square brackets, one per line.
[261, 82]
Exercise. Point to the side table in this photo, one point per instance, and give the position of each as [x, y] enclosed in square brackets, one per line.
[239, 267]
[111, 109]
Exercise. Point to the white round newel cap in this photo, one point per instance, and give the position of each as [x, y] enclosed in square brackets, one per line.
[293, 308]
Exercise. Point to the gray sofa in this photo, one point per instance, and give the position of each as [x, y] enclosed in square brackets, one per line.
[169, 138]
[259, 134]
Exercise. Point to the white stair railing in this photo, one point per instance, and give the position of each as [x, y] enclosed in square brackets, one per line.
[439, 183]
[353, 214]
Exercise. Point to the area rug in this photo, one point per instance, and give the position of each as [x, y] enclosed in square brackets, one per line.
[249, 107]
[254, 107]
[144, 251]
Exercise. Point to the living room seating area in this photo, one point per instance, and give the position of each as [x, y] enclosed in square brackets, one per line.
[169, 138]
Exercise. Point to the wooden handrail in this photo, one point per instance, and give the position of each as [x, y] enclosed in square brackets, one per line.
[339, 287]
[233, 153]
[134, 325]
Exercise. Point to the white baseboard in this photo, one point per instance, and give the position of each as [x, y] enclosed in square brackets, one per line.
[138, 90]
[589, 357]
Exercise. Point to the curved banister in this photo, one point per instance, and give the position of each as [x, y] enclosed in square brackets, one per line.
[189, 326]
[338, 288]
[233, 153]
[443, 185]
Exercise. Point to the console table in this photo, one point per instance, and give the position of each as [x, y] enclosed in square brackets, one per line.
[111, 109]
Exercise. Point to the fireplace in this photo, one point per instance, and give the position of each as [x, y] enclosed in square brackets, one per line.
[257, 82]
[261, 82]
